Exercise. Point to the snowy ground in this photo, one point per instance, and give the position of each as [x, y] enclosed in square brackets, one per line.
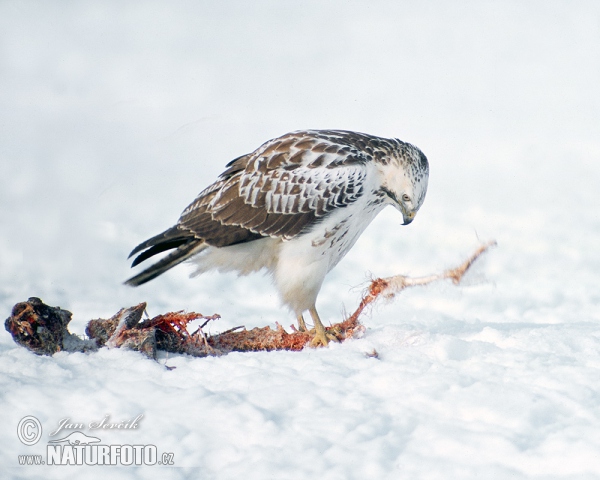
[115, 115]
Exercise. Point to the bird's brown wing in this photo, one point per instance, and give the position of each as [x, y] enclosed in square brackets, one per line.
[282, 189]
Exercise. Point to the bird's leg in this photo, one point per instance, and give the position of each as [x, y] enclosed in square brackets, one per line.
[321, 337]
[301, 324]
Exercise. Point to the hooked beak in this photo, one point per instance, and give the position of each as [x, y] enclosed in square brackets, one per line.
[408, 217]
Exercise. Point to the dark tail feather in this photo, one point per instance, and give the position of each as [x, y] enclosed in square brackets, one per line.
[158, 249]
[184, 243]
[172, 235]
[183, 252]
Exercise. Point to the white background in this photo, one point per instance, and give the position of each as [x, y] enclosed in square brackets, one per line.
[114, 115]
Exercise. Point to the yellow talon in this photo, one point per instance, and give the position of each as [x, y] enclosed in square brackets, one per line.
[321, 338]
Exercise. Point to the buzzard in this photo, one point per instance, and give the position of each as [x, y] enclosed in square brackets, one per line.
[293, 207]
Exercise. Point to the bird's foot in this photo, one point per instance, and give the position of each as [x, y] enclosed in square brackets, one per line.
[321, 338]
[320, 335]
[301, 324]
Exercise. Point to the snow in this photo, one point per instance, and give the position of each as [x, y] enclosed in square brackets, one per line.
[115, 115]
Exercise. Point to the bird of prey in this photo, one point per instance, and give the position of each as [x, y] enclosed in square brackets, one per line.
[293, 207]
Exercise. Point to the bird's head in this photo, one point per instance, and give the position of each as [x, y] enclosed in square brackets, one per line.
[404, 180]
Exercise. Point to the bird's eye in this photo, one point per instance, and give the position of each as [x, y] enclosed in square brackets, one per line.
[405, 198]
